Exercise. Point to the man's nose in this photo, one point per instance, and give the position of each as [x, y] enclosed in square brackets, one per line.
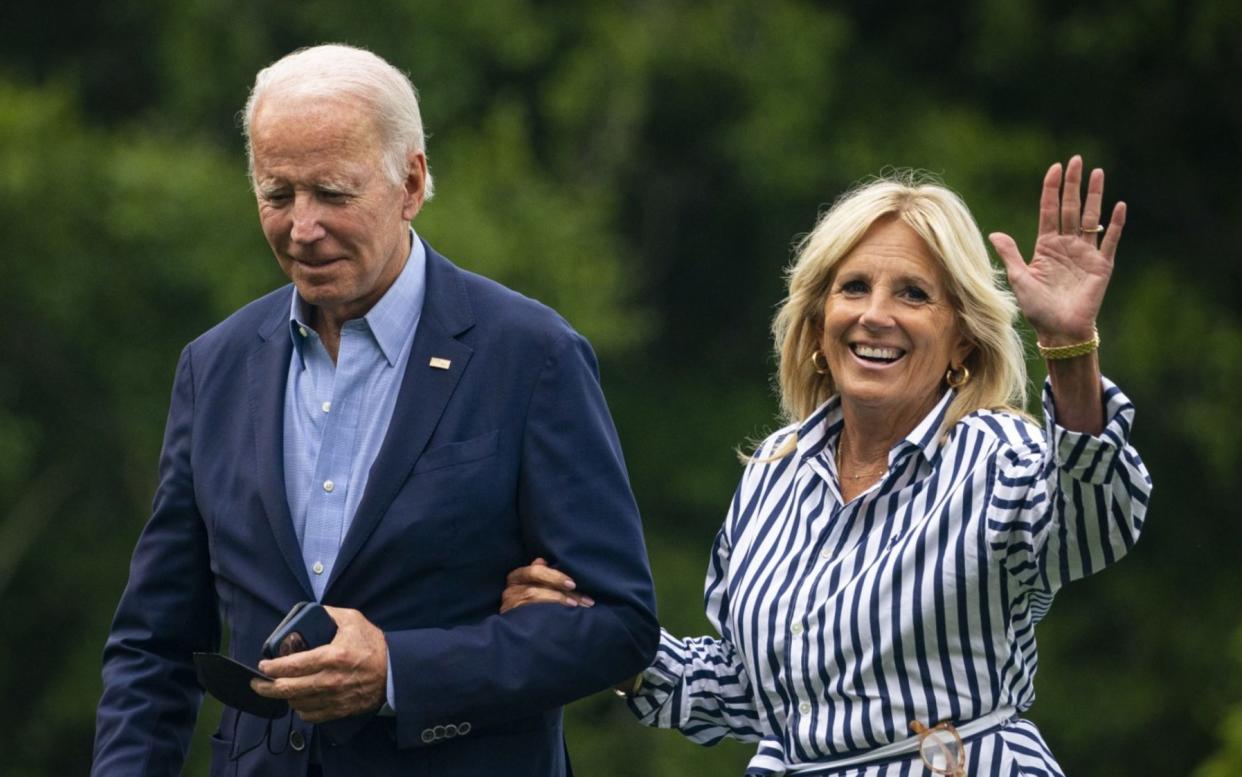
[307, 227]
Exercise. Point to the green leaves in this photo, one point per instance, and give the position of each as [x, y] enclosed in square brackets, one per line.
[644, 168]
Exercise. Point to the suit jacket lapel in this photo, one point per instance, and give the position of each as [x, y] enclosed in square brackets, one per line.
[425, 391]
[268, 371]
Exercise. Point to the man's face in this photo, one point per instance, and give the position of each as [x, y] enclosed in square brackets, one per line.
[336, 223]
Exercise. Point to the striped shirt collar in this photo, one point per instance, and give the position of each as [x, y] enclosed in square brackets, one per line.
[824, 426]
[392, 318]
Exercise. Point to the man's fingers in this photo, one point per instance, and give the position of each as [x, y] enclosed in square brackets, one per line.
[341, 615]
[300, 664]
[287, 688]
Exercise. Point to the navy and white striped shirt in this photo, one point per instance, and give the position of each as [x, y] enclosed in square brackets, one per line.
[841, 623]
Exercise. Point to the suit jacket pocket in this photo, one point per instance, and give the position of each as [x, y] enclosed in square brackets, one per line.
[454, 453]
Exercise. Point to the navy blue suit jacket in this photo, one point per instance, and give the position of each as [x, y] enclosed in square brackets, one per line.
[508, 454]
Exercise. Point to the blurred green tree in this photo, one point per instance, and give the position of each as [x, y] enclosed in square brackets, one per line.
[644, 167]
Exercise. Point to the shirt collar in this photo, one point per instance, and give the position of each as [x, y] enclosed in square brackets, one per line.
[392, 318]
[824, 426]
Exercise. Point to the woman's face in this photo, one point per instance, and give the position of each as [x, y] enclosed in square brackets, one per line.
[890, 331]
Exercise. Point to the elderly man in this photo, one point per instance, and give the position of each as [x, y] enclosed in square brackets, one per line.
[388, 436]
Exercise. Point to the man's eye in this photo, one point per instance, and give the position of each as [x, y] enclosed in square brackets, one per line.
[332, 195]
[276, 198]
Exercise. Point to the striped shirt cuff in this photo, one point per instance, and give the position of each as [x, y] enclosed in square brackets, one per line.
[1085, 457]
[661, 680]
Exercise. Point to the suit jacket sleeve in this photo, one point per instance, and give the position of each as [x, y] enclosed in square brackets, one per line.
[150, 695]
[576, 510]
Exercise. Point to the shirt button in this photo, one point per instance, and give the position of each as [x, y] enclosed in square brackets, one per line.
[826, 554]
[328, 486]
[327, 406]
[318, 568]
[302, 331]
[296, 740]
[796, 629]
[805, 708]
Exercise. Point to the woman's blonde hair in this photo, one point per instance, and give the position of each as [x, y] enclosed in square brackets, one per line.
[986, 310]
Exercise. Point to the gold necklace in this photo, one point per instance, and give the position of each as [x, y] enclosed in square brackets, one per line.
[841, 474]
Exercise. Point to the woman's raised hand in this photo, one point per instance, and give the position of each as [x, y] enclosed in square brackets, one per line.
[1061, 290]
[540, 583]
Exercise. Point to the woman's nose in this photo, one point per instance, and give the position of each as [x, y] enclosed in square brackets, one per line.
[877, 314]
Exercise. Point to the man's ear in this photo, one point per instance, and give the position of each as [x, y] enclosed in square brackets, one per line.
[415, 185]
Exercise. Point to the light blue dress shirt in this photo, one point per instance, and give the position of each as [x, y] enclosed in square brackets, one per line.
[336, 415]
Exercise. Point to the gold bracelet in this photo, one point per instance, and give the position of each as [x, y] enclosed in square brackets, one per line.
[634, 689]
[1070, 351]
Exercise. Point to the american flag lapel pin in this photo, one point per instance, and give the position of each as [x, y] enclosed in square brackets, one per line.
[440, 363]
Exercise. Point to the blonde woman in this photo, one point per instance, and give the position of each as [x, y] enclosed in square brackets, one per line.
[887, 555]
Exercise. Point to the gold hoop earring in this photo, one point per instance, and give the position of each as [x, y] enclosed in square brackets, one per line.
[819, 362]
[957, 376]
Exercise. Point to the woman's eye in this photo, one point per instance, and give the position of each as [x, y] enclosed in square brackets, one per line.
[853, 287]
[915, 294]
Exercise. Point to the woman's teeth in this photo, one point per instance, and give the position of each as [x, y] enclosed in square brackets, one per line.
[876, 353]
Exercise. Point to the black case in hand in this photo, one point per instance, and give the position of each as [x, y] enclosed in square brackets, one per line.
[308, 625]
[229, 681]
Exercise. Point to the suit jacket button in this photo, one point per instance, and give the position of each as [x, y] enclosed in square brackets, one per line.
[463, 728]
[438, 732]
[450, 731]
[428, 736]
[296, 740]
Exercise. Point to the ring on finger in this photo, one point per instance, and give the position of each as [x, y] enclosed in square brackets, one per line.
[1097, 229]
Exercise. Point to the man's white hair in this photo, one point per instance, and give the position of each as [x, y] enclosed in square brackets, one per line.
[336, 70]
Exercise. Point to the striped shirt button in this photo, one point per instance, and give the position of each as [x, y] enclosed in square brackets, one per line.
[796, 629]
[805, 708]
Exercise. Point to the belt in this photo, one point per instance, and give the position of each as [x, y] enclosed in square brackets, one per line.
[980, 725]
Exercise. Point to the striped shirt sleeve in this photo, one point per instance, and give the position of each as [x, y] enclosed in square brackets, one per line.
[1068, 505]
[700, 686]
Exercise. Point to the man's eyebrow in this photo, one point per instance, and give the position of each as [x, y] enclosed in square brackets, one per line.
[336, 184]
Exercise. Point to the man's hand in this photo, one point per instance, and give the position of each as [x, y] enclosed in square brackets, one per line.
[346, 677]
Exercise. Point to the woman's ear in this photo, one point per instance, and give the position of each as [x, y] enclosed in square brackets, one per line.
[965, 347]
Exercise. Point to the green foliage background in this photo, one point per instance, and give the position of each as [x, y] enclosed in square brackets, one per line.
[643, 166]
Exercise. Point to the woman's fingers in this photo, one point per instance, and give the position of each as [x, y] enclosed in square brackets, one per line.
[538, 583]
[1091, 208]
[521, 595]
[1108, 247]
[539, 574]
[1071, 205]
[1007, 248]
[1050, 201]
